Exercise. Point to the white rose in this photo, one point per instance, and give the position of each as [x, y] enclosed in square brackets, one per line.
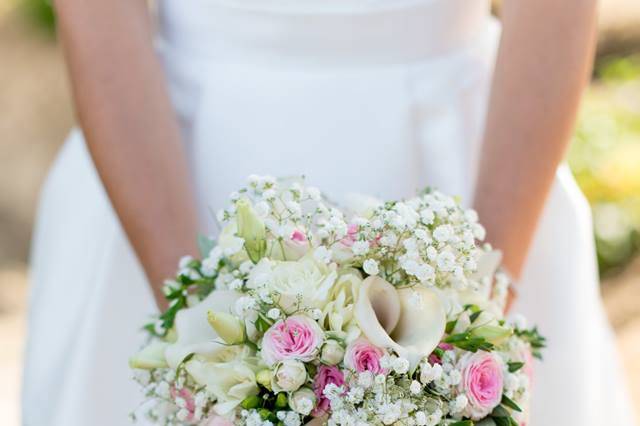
[305, 283]
[332, 353]
[289, 375]
[302, 401]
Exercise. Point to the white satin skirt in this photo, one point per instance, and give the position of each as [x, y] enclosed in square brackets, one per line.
[361, 96]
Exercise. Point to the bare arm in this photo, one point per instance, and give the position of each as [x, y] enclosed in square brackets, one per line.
[130, 128]
[543, 66]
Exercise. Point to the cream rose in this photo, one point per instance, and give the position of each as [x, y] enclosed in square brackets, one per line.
[302, 401]
[289, 375]
[332, 353]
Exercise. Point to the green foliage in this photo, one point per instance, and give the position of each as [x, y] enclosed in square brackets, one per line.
[533, 337]
[40, 12]
[605, 158]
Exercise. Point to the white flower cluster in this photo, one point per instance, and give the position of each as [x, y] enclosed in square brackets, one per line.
[427, 240]
[383, 400]
[171, 401]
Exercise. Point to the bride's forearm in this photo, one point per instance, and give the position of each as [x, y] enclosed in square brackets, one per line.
[543, 66]
[130, 128]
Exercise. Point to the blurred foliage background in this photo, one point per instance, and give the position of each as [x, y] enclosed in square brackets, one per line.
[605, 158]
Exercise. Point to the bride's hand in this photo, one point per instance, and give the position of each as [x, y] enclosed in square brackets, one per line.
[131, 129]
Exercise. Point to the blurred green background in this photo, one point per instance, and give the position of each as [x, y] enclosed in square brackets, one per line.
[605, 158]
[37, 113]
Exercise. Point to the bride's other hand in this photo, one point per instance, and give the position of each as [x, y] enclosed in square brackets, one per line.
[543, 66]
[130, 128]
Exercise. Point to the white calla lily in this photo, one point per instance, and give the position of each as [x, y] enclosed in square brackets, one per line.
[411, 321]
[195, 334]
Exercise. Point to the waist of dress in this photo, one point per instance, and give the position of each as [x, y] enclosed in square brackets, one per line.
[349, 32]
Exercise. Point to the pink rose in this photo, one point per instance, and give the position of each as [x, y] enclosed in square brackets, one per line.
[482, 383]
[361, 356]
[326, 374]
[297, 337]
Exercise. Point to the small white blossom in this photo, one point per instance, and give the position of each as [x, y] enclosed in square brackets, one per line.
[415, 387]
[420, 418]
[446, 261]
[427, 216]
[355, 395]
[235, 284]
[454, 377]
[401, 365]
[365, 379]
[360, 247]
[370, 266]
[314, 193]
[274, 313]
[459, 404]
[434, 419]
[443, 233]
[430, 373]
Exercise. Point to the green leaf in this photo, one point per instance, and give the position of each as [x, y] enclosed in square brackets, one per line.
[454, 338]
[534, 339]
[510, 403]
[261, 325]
[474, 316]
[472, 308]
[500, 411]
[515, 366]
[450, 326]
[462, 423]
[468, 342]
[250, 402]
[501, 421]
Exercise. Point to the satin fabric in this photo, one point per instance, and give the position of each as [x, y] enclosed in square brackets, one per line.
[369, 96]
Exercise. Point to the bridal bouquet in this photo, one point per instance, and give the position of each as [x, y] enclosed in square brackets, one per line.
[378, 313]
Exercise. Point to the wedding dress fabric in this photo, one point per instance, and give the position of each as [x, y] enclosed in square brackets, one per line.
[379, 97]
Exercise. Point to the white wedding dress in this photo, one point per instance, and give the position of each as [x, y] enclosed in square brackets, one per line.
[371, 96]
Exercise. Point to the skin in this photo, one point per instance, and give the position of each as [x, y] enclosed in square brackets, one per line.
[543, 66]
[131, 129]
[133, 136]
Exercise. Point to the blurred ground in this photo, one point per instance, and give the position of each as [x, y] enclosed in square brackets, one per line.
[36, 115]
